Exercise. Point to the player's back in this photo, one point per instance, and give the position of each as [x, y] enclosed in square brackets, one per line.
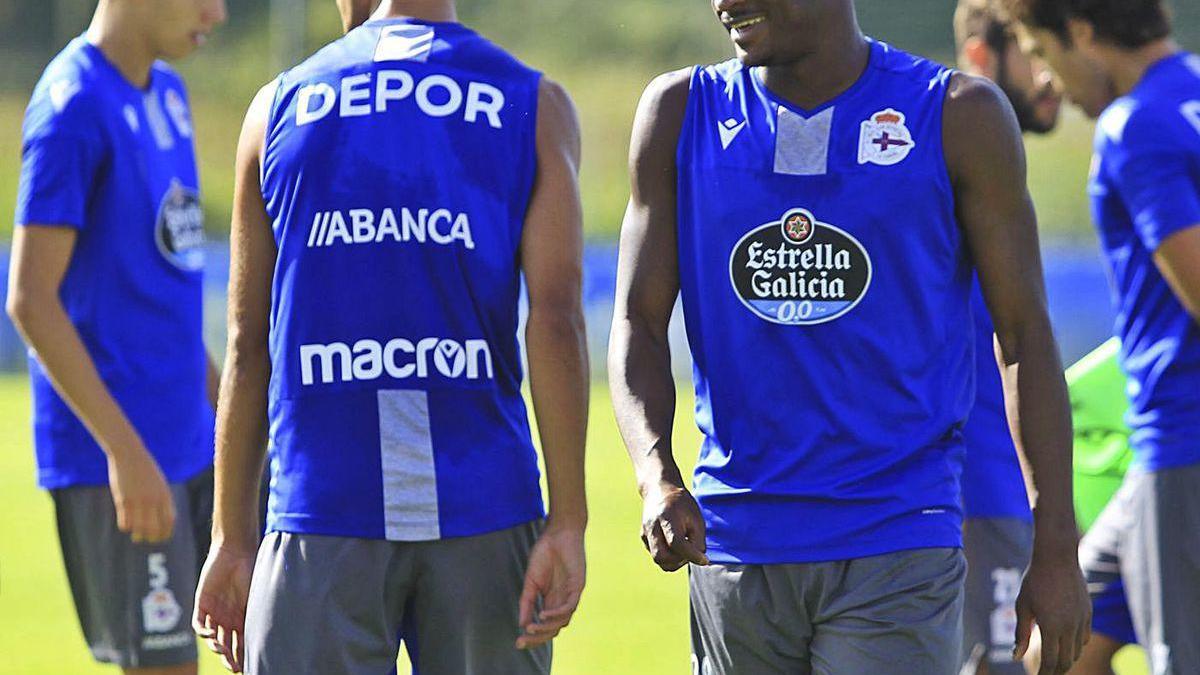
[1145, 187]
[398, 166]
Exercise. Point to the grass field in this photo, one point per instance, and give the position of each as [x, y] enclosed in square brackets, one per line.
[633, 618]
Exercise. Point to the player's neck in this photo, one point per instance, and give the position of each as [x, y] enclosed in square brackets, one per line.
[831, 69]
[1128, 67]
[122, 43]
[424, 10]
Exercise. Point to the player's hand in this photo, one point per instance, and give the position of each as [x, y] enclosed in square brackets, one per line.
[145, 507]
[221, 597]
[672, 528]
[1054, 596]
[556, 574]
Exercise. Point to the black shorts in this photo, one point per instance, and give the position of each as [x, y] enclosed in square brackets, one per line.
[134, 601]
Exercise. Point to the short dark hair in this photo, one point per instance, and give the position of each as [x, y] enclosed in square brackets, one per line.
[1124, 23]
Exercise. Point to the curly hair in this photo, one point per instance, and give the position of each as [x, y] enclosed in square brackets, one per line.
[1124, 23]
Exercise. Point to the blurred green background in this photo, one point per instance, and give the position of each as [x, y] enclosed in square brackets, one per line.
[633, 619]
[603, 52]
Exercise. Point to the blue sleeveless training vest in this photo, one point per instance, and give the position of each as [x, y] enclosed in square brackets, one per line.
[825, 287]
[398, 166]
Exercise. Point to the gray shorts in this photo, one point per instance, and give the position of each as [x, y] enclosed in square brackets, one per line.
[341, 606]
[134, 601]
[894, 613]
[1148, 538]
[998, 551]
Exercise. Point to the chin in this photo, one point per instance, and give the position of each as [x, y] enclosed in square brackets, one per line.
[176, 52]
[751, 58]
[1093, 109]
[1045, 126]
[1048, 123]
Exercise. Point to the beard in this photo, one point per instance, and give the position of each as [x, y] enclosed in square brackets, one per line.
[1025, 107]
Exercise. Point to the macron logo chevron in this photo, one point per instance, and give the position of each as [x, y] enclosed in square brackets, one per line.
[405, 43]
[61, 92]
[729, 130]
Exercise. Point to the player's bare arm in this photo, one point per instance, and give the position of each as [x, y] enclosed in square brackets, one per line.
[986, 160]
[1178, 258]
[639, 357]
[552, 261]
[224, 587]
[40, 256]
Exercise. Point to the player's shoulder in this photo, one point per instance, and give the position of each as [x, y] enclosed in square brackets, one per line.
[166, 74]
[329, 57]
[1161, 111]
[478, 48]
[556, 111]
[68, 96]
[665, 97]
[473, 52]
[554, 96]
[904, 65]
[1133, 122]
[973, 93]
[724, 73]
[973, 102]
[659, 118]
[673, 88]
[335, 57]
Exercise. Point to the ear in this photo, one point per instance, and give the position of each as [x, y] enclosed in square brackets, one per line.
[1081, 32]
[976, 57]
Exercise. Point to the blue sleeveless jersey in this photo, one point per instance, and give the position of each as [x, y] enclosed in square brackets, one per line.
[1145, 187]
[825, 289]
[398, 165]
[115, 162]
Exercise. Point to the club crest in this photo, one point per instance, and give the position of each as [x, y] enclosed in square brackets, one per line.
[884, 139]
[160, 611]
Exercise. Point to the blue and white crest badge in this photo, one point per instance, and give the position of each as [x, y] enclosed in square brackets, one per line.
[884, 140]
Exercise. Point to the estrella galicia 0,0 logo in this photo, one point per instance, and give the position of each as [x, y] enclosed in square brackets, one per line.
[798, 271]
[179, 231]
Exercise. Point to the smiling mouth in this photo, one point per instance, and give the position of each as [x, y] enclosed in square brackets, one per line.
[742, 24]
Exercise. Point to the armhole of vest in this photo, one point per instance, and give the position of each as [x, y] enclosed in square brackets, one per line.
[270, 124]
[531, 176]
[943, 164]
[685, 123]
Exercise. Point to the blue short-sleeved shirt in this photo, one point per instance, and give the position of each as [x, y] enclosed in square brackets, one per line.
[116, 163]
[1145, 187]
